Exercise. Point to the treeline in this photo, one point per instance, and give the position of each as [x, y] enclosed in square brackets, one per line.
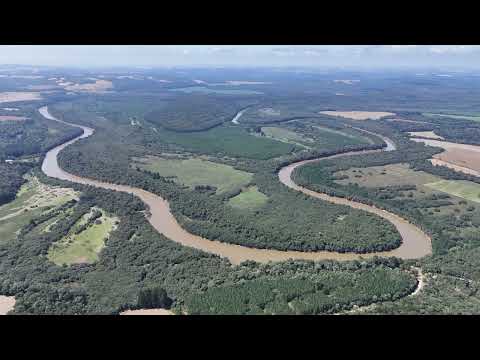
[310, 291]
[195, 113]
[33, 136]
[141, 268]
[321, 177]
[273, 226]
[11, 179]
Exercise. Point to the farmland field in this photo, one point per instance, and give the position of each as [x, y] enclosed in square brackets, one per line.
[195, 172]
[391, 175]
[358, 115]
[229, 141]
[463, 189]
[462, 117]
[202, 215]
[206, 90]
[463, 155]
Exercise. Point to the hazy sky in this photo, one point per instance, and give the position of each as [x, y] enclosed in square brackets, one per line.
[459, 56]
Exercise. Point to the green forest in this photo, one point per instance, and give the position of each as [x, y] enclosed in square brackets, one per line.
[138, 268]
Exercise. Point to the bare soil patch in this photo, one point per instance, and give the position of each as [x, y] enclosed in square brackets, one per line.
[425, 134]
[458, 156]
[11, 118]
[148, 312]
[6, 304]
[19, 96]
[98, 86]
[358, 115]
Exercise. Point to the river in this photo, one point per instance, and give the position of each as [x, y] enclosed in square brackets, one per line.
[416, 244]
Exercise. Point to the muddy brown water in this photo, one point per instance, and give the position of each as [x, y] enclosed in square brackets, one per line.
[415, 243]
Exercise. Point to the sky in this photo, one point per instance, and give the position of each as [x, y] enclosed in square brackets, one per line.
[362, 56]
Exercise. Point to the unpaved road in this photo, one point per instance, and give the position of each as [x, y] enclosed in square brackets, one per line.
[416, 244]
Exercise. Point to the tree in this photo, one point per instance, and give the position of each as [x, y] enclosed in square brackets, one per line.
[156, 297]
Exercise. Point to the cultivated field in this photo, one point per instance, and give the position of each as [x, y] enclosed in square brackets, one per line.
[11, 118]
[229, 141]
[195, 172]
[98, 86]
[464, 189]
[6, 97]
[425, 134]
[465, 156]
[463, 117]
[358, 115]
[285, 135]
[388, 175]
[248, 199]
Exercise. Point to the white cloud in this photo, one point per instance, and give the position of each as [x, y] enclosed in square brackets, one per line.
[453, 49]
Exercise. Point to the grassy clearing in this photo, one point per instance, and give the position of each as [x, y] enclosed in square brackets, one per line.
[285, 135]
[206, 90]
[464, 189]
[32, 200]
[195, 172]
[85, 246]
[358, 115]
[230, 141]
[389, 175]
[248, 199]
[462, 117]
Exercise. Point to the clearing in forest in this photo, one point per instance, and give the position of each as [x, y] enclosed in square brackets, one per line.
[462, 117]
[464, 189]
[425, 134]
[358, 115]
[82, 245]
[32, 200]
[285, 135]
[388, 175]
[197, 172]
[269, 111]
[248, 199]
[98, 86]
[19, 96]
[11, 118]
[463, 155]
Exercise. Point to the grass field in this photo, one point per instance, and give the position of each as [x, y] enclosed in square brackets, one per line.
[388, 175]
[194, 172]
[207, 90]
[285, 135]
[358, 115]
[230, 141]
[427, 186]
[464, 189]
[85, 246]
[248, 199]
[463, 117]
[32, 200]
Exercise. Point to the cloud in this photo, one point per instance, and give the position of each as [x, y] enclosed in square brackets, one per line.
[453, 49]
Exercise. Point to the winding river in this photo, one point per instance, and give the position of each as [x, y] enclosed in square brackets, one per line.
[416, 243]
